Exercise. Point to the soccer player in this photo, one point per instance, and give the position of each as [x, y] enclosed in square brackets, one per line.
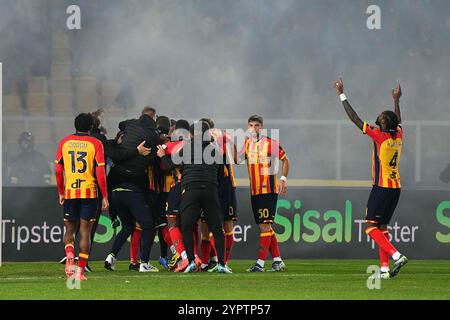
[173, 198]
[79, 164]
[163, 125]
[259, 151]
[386, 150]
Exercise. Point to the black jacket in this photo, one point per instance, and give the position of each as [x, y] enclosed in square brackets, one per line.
[135, 170]
[196, 171]
[112, 150]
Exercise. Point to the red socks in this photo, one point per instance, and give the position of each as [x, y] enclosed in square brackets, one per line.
[134, 246]
[384, 257]
[70, 253]
[206, 250]
[229, 241]
[264, 245]
[196, 238]
[166, 236]
[381, 240]
[177, 239]
[213, 248]
[274, 249]
[82, 260]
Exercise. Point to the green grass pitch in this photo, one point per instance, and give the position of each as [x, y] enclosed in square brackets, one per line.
[304, 279]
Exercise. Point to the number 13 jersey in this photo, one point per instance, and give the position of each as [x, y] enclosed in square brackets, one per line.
[386, 152]
[80, 154]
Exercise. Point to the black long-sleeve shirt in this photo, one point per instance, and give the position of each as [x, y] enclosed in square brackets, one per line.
[114, 151]
[134, 170]
[196, 171]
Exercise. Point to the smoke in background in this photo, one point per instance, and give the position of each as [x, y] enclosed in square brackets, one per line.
[230, 59]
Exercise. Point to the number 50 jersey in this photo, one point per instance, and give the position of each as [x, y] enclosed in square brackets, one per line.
[386, 153]
[80, 154]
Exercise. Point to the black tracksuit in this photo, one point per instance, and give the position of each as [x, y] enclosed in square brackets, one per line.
[129, 182]
[200, 184]
[117, 154]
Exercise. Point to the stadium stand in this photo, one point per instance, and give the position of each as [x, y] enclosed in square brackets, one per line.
[12, 105]
[37, 104]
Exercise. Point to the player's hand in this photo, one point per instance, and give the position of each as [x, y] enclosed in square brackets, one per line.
[216, 134]
[105, 204]
[339, 86]
[283, 187]
[143, 151]
[120, 139]
[161, 152]
[397, 92]
[61, 199]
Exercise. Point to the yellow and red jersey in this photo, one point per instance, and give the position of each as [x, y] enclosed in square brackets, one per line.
[259, 153]
[151, 178]
[224, 144]
[386, 152]
[172, 148]
[80, 155]
[167, 181]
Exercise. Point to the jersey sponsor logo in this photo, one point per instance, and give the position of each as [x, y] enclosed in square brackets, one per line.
[77, 184]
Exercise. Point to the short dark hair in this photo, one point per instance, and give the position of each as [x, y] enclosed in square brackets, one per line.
[210, 122]
[83, 122]
[194, 128]
[163, 124]
[182, 124]
[173, 122]
[148, 109]
[256, 118]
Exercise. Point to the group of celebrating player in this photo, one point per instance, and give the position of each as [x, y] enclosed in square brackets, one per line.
[160, 182]
[154, 194]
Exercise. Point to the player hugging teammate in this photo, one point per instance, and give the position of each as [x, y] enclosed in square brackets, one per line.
[149, 194]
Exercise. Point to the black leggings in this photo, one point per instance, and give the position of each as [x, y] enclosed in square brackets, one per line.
[204, 197]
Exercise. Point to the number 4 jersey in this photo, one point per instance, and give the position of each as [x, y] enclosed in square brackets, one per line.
[82, 159]
[386, 152]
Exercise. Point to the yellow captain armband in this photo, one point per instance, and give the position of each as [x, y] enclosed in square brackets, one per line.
[364, 127]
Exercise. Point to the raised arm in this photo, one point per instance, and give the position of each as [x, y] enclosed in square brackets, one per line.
[339, 86]
[396, 94]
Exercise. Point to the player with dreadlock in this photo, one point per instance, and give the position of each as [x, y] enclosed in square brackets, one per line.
[386, 150]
